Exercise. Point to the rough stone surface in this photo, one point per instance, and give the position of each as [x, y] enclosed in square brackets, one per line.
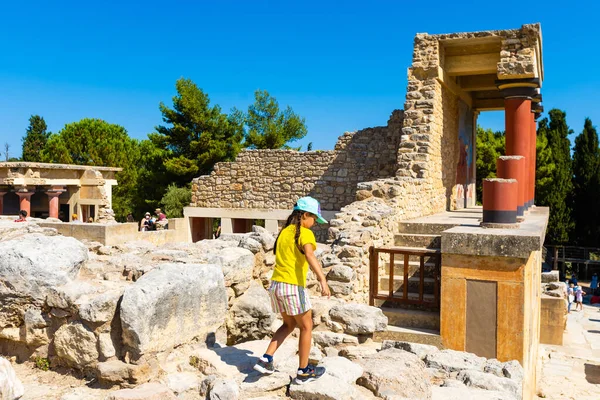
[250, 317]
[421, 350]
[451, 361]
[485, 381]
[100, 308]
[237, 264]
[359, 319]
[76, 345]
[10, 386]
[466, 393]
[331, 339]
[395, 371]
[327, 387]
[224, 390]
[31, 266]
[172, 305]
[342, 368]
[147, 391]
[340, 273]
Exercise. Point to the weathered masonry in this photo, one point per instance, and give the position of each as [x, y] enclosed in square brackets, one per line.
[56, 190]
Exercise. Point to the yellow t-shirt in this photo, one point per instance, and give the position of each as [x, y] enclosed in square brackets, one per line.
[290, 264]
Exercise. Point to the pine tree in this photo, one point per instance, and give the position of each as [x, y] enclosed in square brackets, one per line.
[268, 127]
[490, 146]
[556, 193]
[586, 187]
[35, 139]
[197, 136]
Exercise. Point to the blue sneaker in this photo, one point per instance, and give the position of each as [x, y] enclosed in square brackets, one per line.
[312, 373]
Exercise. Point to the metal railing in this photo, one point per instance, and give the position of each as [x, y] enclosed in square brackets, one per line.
[404, 297]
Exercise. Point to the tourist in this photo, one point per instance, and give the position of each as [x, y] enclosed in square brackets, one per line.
[594, 283]
[159, 215]
[570, 296]
[217, 232]
[75, 219]
[579, 293]
[22, 216]
[130, 218]
[294, 252]
[90, 220]
[147, 224]
[160, 219]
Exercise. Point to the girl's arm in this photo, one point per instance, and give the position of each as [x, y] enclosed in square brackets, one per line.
[316, 267]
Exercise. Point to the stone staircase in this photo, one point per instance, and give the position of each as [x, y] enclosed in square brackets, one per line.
[407, 322]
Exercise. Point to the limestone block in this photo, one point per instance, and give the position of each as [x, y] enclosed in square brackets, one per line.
[171, 305]
[326, 387]
[420, 350]
[326, 339]
[341, 273]
[250, 316]
[237, 264]
[100, 308]
[451, 361]
[147, 391]
[359, 319]
[342, 368]
[106, 346]
[224, 389]
[395, 371]
[76, 345]
[11, 387]
[482, 380]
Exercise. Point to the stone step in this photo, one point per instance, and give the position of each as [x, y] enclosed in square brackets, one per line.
[418, 240]
[427, 297]
[414, 267]
[405, 318]
[414, 335]
[413, 283]
[424, 227]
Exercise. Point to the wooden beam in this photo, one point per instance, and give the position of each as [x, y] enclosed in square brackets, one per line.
[474, 64]
[451, 85]
[478, 82]
[488, 104]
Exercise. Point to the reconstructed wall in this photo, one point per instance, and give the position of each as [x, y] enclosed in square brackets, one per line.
[266, 179]
[553, 320]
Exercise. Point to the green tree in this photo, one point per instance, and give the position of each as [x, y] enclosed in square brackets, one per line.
[586, 187]
[490, 146]
[35, 139]
[175, 199]
[556, 194]
[99, 143]
[269, 128]
[197, 136]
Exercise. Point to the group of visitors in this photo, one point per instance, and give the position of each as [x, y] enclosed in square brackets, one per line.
[150, 222]
[575, 292]
[74, 218]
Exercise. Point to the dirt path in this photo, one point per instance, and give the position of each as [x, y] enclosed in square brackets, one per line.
[572, 371]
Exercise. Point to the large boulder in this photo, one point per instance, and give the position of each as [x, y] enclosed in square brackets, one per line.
[250, 317]
[359, 319]
[31, 266]
[171, 305]
[481, 380]
[328, 387]
[237, 264]
[10, 386]
[454, 361]
[395, 372]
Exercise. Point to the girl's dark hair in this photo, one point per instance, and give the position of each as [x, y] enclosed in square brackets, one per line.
[294, 218]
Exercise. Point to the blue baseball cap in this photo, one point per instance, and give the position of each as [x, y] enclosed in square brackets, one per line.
[312, 206]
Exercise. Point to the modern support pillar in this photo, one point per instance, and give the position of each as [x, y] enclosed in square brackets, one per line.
[518, 95]
[2, 202]
[518, 134]
[513, 167]
[536, 110]
[53, 203]
[25, 201]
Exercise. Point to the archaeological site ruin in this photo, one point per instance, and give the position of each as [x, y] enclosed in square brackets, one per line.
[433, 297]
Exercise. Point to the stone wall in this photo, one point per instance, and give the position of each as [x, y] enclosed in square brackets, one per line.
[266, 179]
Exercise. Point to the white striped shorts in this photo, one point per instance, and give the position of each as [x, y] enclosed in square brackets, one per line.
[288, 298]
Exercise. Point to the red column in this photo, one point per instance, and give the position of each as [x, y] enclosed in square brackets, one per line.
[2, 202]
[517, 119]
[499, 202]
[53, 203]
[513, 167]
[532, 158]
[25, 201]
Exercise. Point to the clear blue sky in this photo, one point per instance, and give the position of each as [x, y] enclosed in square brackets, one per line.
[342, 65]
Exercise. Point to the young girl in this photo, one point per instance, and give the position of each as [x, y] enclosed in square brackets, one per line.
[579, 293]
[294, 252]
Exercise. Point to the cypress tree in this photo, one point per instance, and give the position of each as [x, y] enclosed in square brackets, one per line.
[586, 185]
[556, 193]
[35, 139]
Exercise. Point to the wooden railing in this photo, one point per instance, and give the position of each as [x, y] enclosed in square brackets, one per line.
[405, 297]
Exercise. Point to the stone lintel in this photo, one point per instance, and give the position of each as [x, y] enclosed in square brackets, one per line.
[245, 213]
[517, 243]
[36, 165]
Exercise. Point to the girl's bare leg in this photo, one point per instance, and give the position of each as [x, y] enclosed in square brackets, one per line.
[289, 324]
[305, 324]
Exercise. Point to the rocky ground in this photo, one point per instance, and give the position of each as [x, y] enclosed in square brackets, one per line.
[188, 321]
[572, 371]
